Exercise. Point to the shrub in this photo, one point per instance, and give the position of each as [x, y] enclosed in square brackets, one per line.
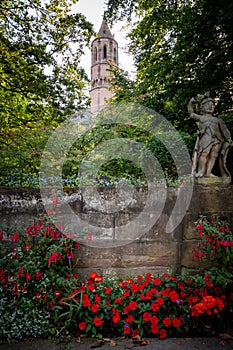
[40, 293]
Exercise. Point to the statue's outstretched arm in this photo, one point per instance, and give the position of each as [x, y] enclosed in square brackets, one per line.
[193, 115]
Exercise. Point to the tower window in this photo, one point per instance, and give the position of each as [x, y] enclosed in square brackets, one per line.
[105, 52]
[115, 55]
[95, 54]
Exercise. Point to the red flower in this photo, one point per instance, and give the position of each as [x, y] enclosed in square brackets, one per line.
[91, 288]
[146, 316]
[154, 320]
[139, 278]
[165, 292]
[97, 321]
[174, 296]
[93, 275]
[154, 307]
[162, 334]
[82, 326]
[126, 329]
[207, 281]
[148, 295]
[15, 237]
[54, 257]
[154, 328]
[130, 319]
[220, 303]
[181, 285]
[135, 333]
[210, 301]
[38, 275]
[191, 299]
[126, 294]
[1, 235]
[160, 301]
[38, 296]
[154, 291]
[199, 226]
[167, 321]
[95, 308]
[84, 296]
[135, 288]
[118, 301]
[132, 305]
[176, 322]
[108, 291]
[157, 281]
[28, 276]
[148, 277]
[97, 298]
[129, 280]
[116, 318]
[86, 302]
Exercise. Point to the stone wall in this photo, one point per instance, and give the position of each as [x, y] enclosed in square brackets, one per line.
[154, 251]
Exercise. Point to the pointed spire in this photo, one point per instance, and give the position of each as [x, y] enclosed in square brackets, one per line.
[104, 30]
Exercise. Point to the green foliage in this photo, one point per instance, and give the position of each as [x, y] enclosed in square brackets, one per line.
[22, 319]
[180, 49]
[41, 82]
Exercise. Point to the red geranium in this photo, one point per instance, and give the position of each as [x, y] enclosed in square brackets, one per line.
[118, 301]
[116, 318]
[95, 308]
[157, 281]
[132, 305]
[130, 319]
[135, 333]
[176, 322]
[108, 291]
[167, 321]
[160, 301]
[97, 298]
[162, 334]
[146, 316]
[82, 326]
[97, 321]
[154, 307]
[154, 328]
[15, 237]
[126, 329]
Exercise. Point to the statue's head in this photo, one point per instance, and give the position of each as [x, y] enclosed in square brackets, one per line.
[206, 103]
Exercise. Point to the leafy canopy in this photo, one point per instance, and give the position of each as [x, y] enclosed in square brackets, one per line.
[181, 48]
[41, 82]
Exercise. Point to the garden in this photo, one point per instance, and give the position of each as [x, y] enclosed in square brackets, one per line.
[42, 295]
[179, 49]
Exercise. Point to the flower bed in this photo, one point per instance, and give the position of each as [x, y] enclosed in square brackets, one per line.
[41, 295]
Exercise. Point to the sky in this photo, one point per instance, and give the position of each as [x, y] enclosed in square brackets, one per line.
[94, 10]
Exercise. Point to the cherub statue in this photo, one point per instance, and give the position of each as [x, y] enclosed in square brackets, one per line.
[213, 141]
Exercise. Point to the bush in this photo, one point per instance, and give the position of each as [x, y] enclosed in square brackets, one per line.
[40, 293]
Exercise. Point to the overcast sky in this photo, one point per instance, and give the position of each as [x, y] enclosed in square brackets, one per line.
[93, 10]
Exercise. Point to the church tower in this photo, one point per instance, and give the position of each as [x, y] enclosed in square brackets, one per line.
[104, 49]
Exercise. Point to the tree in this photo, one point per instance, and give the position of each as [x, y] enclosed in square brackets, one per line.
[181, 48]
[41, 82]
